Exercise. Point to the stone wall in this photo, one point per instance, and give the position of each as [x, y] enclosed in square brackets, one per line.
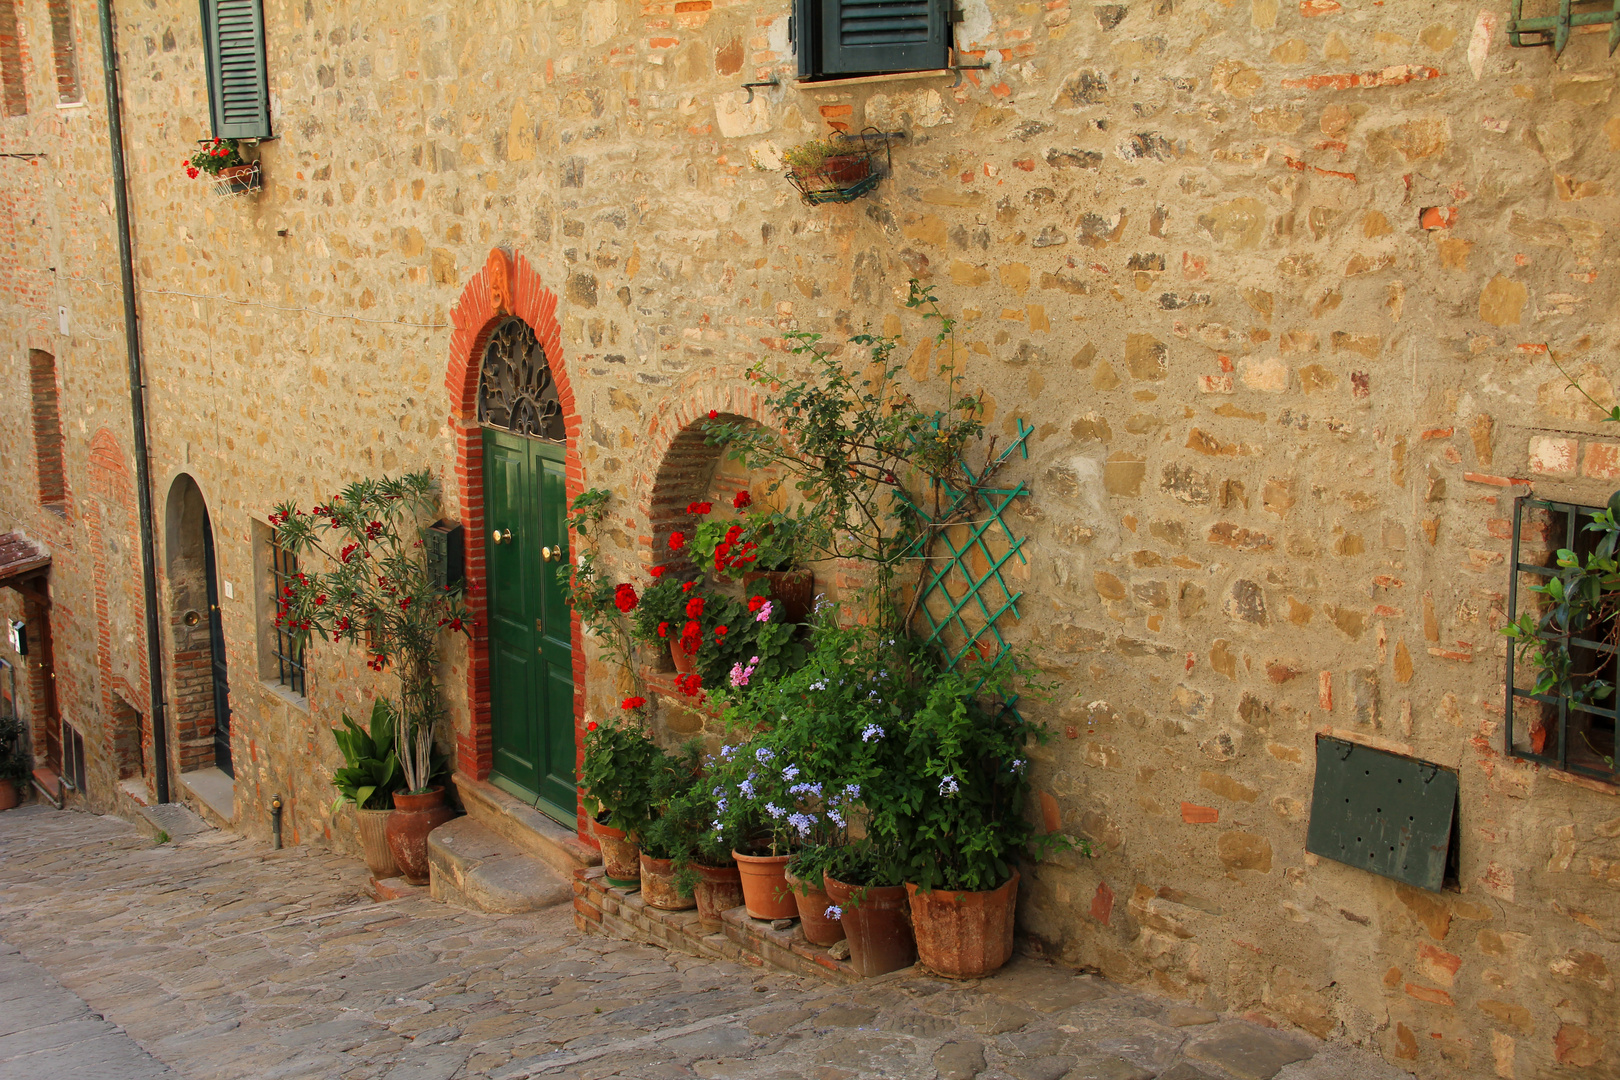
[1279, 287]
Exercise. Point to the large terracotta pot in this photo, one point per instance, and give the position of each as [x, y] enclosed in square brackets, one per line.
[413, 818]
[764, 886]
[685, 662]
[8, 794]
[658, 886]
[877, 920]
[373, 826]
[964, 935]
[718, 889]
[620, 855]
[813, 903]
[794, 590]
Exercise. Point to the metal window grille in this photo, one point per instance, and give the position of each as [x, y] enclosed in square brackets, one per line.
[1564, 732]
[289, 651]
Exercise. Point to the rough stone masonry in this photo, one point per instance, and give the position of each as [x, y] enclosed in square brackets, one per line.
[1278, 285]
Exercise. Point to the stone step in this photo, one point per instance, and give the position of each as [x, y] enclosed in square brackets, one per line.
[477, 868]
[176, 820]
[525, 827]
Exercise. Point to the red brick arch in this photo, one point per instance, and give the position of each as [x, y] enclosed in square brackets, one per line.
[678, 463]
[507, 285]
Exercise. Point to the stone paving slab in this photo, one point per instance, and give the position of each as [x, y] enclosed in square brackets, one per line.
[225, 960]
[48, 1033]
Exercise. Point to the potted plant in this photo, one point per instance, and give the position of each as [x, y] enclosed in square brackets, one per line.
[704, 868]
[222, 159]
[13, 761]
[379, 592]
[756, 807]
[869, 901]
[657, 616]
[368, 780]
[671, 833]
[826, 164]
[955, 807]
[617, 777]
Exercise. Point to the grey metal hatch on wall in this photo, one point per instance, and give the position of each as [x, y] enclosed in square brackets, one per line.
[1382, 812]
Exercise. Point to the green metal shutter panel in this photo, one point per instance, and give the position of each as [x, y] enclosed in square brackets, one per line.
[238, 85]
[866, 37]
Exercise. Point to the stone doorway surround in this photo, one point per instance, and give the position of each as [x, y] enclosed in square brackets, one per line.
[507, 285]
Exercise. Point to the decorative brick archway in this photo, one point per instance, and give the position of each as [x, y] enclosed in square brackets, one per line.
[678, 460]
[507, 285]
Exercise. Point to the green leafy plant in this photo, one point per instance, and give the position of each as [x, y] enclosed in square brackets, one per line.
[624, 771]
[14, 762]
[807, 157]
[850, 439]
[378, 592]
[370, 774]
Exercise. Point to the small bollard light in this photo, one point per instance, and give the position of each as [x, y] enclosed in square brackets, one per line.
[275, 821]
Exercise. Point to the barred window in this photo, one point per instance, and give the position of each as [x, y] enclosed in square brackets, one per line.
[1561, 673]
[288, 653]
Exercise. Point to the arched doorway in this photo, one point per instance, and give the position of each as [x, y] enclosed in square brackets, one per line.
[201, 697]
[525, 487]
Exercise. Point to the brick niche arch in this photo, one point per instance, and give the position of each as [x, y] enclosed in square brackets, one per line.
[678, 464]
[507, 285]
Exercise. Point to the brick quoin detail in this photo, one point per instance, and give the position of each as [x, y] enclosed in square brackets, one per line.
[508, 284]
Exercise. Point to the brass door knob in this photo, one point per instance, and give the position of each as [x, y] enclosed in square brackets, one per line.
[545, 554]
[501, 538]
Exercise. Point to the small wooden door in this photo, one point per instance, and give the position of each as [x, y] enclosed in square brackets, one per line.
[216, 646]
[531, 655]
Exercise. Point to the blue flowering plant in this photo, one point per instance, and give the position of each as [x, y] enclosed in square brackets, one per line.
[956, 805]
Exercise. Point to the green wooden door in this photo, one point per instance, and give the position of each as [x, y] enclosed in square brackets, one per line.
[531, 658]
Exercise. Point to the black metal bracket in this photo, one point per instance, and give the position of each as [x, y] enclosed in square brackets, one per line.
[959, 68]
[1554, 30]
[749, 86]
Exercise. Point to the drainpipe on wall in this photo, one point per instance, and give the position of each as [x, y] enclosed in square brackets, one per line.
[137, 404]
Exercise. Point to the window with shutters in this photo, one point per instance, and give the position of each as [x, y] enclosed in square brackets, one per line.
[13, 83]
[238, 86]
[65, 53]
[848, 38]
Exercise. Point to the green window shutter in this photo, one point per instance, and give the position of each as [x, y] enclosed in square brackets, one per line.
[866, 37]
[238, 85]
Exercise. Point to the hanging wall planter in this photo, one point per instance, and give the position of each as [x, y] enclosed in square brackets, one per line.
[238, 180]
[840, 168]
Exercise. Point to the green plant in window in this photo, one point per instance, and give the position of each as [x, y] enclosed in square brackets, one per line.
[213, 156]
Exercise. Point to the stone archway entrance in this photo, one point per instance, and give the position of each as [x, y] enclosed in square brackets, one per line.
[201, 685]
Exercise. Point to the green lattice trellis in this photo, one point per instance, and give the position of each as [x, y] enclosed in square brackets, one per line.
[953, 587]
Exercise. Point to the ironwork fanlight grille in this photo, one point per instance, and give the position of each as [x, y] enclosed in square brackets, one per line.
[516, 392]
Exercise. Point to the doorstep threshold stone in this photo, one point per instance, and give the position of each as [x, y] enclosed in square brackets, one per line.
[214, 790]
[524, 827]
[476, 868]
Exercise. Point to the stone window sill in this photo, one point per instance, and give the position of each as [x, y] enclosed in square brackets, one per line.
[286, 696]
[862, 80]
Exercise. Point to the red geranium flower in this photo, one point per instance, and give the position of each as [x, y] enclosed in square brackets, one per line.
[713, 414]
[658, 572]
[742, 500]
[699, 507]
[663, 629]
[677, 541]
[591, 726]
[632, 703]
[755, 603]
[688, 586]
[720, 631]
[733, 534]
[625, 598]
[694, 607]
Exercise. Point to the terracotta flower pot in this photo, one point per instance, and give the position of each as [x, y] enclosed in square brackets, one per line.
[719, 889]
[813, 904]
[685, 662]
[658, 886]
[620, 855]
[373, 825]
[236, 179]
[764, 886]
[794, 590]
[964, 935]
[413, 818]
[846, 169]
[8, 794]
[877, 920]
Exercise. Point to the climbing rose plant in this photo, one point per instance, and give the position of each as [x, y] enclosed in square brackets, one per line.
[376, 591]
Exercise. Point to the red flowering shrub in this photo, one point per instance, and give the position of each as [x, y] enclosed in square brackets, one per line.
[699, 508]
[631, 703]
[624, 598]
[677, 541]
[742, 500]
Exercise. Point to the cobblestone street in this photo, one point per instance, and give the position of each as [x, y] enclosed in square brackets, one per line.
[223, 959]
